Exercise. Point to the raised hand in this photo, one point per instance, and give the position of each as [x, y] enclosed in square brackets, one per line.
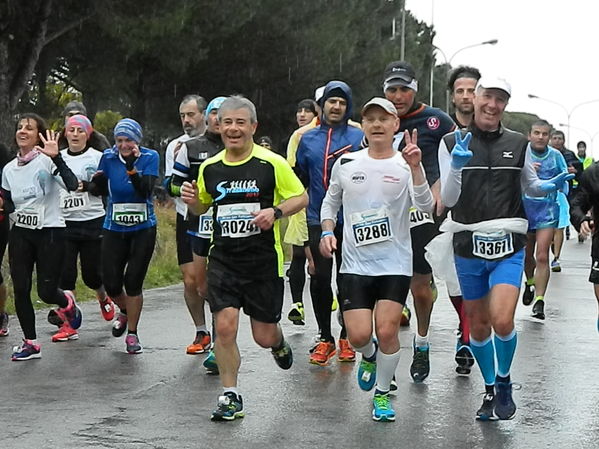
[411, 152]
[553, 184]
[189, 192]
[50, 143]
[461, 154]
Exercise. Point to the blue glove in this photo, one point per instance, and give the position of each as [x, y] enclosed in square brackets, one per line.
[460, 155]
[551, 185]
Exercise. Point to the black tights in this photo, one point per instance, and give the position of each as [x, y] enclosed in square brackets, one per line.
[297, 273]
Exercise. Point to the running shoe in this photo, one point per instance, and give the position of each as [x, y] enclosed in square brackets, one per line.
[201, 344]
[210, 363]
[529, 295]
[538, 310]
[228, 408]
[119, 326]
[296, 314]
[367, 374]
[346, 352]
[65, 333]
[315, 342]
[464, 358]
[486, 412]
[107, 308]
[54, 319]
[284, 356]
[505, 408]
[382, 410]
[420, 368]
[4, 325]
[322, 353]
[27, 351]
[555, 266]
[133, 344]
[406, 314]
[335, 304]
[71, 313]
[393, 386]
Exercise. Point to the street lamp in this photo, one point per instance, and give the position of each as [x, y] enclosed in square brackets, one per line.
[448, 65]
[568, 113]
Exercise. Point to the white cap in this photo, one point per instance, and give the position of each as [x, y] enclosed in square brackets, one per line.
[382, 103]
[318, 93]
[491, 82]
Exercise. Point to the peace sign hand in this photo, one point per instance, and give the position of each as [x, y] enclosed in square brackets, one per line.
[411, 152]
[460, 155]
[50, 143]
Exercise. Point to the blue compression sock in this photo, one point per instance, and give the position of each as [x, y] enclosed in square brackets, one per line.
[505, 346]
[484, 353]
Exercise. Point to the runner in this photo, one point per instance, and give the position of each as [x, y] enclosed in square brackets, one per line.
[96, 140]
[489, 238]
[586, 161]
[30, 191]
[190, 157]
[583, 210]
[461, 85]
[400, 86]
[249, 188]
[318, 150]
[127, 174]
[84, 216]
[193, 121]
[5, 158]
[543, 215]
[376, 187]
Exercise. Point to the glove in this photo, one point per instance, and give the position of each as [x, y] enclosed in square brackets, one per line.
[130, 162]
[551, 185]
[460, 155]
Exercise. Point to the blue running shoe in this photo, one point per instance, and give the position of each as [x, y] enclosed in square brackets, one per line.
[464, 358]
[381, 407]
[421, 367]
[367, 374]
[27, 351]
[505, 408]
[486, 412]
[210, 363]
[229, 407]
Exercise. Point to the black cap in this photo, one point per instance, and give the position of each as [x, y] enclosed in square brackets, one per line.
[400, 73]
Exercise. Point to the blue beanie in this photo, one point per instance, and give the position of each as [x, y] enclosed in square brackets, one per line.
[214, 104]
[129, 128]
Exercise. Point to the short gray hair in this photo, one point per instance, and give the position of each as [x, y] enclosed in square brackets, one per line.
[199, 100]
[238, 102]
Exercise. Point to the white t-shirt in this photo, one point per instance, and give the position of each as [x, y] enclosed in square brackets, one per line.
[376, 195]
[81, 206]
[169, 162]
[35, 191]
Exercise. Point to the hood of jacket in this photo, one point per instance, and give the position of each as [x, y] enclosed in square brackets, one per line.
[338, 89]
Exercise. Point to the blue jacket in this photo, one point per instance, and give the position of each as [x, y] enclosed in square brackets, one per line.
[320, 147]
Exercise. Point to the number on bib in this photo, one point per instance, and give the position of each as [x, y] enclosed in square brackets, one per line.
[129, 214]
[492, 246]
[418, 218]
[372, 226]
[73, 201]
[29, 218]
[235, 220]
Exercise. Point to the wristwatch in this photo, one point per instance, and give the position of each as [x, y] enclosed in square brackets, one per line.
[278, 212]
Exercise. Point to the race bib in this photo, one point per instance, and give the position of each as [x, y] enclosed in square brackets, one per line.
[29, 218]
[235, 220]
[205, 227]
[129, 214]
[418, 218]
[492, 245]
[371, 226]
[71, 201]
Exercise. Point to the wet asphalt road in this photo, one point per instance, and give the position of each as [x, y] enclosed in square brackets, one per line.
[90, 394]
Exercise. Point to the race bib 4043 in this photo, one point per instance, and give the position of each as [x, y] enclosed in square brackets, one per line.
[371, 226]
[129, 214]
[492, 245]
[235, 220]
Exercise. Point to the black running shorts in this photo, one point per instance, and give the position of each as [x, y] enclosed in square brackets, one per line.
[421, 236]
[184, 254]
[362, 292]
[261, 299]
[199, 245]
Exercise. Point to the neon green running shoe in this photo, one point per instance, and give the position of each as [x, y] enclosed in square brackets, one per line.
[381, 408]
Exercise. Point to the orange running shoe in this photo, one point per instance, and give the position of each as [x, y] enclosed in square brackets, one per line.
[107, 308]
[346, 352]
[322, 353]
[201, 344]
[65, 333]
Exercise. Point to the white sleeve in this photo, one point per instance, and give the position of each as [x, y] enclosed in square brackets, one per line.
[422, 197]
[451, 179]
[183, 160]
[169, 158]
[333, 198]
[529, 181]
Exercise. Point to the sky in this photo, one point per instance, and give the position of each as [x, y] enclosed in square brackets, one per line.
[546, 48]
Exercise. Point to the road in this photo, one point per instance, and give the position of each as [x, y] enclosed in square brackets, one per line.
[90, 394]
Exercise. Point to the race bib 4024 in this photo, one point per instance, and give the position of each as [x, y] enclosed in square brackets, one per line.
[236, 220]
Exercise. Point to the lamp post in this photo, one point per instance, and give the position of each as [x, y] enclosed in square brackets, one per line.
[448, 65]
[568, 112]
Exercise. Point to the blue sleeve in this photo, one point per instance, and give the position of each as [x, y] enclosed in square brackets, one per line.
[151, 163]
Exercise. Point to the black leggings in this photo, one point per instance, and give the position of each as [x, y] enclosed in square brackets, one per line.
[297, 273]
[4, 232]
[89, 251]
[320, 284]
[43, 248]
[125, 260]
